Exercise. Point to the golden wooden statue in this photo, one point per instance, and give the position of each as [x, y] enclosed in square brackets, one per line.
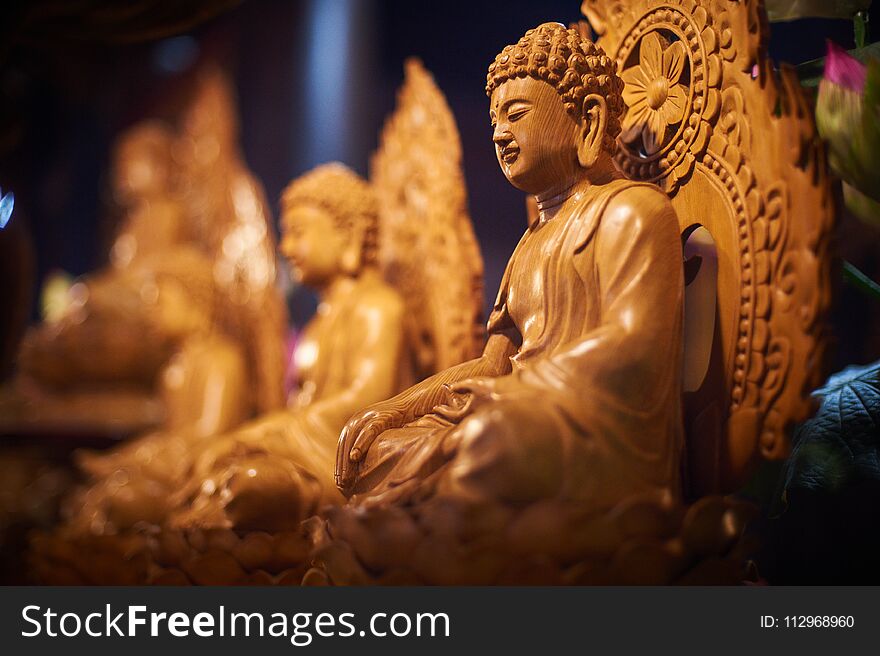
[557, 456]
[273, 473]
[95, 360]
[127, 352]
[229, 222]
[212, 300]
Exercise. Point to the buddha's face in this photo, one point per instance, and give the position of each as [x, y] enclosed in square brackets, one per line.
[535, 138]
[137, 172]
[312, 243]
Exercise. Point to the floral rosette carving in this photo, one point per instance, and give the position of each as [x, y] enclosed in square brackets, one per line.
[670, 67]
[654, 94]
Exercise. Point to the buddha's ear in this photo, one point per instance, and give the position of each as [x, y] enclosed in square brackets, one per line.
[593, 125]
[350, 259]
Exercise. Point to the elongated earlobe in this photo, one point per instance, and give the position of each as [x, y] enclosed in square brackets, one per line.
[594, 123]
[350, 261]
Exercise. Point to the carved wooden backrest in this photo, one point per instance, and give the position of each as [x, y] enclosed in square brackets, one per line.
[427, 245]
[232, 221]
[734, 144]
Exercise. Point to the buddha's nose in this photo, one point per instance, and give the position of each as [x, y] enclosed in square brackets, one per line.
[502, 137]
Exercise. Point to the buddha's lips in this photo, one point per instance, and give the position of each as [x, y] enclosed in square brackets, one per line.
[509, 153]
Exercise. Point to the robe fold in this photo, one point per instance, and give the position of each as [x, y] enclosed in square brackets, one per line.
[591, 409]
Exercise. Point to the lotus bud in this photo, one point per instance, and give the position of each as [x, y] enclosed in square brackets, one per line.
[847, 118]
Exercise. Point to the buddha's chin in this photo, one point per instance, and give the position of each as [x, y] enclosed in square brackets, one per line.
[519, 178]
[516, 176]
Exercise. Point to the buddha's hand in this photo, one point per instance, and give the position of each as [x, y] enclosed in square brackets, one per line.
[463, 396]
[356, 438]
[213, 452]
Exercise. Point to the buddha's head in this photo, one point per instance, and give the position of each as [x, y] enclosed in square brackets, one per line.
[329, 225]
[209, 126]
[142, 162]
[555, 106]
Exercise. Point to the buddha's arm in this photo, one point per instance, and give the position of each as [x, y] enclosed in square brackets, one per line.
[364, 427]
[215, 402]
[422, 398]
[373, 363]
[632, 358]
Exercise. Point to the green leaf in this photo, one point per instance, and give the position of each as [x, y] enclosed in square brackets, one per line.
[786, 10]
[860, 27]
[825, 528]
[840, 445]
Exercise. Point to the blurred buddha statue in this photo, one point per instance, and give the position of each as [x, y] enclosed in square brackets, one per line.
[229, 223]
[276, 471]
[96, 338]
[100, 355]
[329, 225]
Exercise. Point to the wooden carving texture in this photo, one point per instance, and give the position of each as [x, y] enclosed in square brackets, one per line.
[428, 250]
[734, 144]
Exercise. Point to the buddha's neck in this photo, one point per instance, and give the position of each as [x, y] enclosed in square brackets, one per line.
[550, 202]
[340, 287]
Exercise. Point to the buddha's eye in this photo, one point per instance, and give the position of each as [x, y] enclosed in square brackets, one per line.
[517, 113]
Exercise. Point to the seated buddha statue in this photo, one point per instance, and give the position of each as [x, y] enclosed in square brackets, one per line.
[573, 395]
[275, 471]
[576, 399]
[100, 336]
[202, 388]
[99, 363]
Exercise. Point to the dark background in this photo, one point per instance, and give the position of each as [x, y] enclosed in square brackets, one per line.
[315, 80]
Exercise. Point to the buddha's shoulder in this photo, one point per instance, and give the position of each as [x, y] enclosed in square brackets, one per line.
[375, 294]
[638, 203]
[215, 350]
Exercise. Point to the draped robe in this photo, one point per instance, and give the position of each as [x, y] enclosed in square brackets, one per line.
[591, 409]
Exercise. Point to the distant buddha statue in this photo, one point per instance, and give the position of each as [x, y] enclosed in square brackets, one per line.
[99, 337]
[277, 470]
[100, 362]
